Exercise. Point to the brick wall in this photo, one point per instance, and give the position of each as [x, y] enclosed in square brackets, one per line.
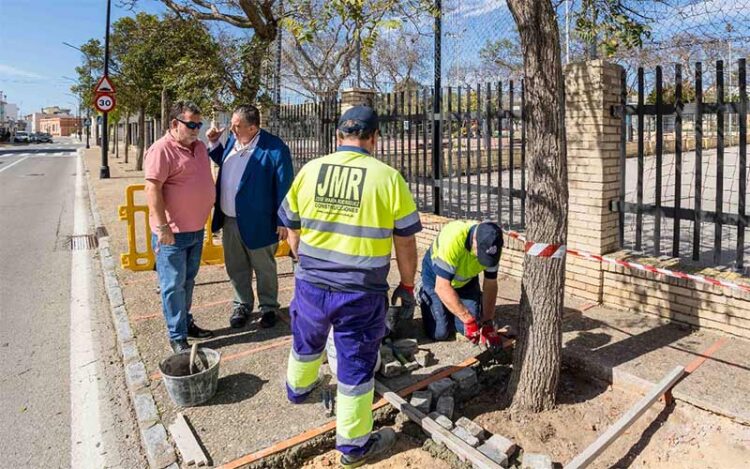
[679, 300]
[355, 96]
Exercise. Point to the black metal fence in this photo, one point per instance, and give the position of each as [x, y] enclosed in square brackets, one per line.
[481, 158]
[697, 173]
[308, 129]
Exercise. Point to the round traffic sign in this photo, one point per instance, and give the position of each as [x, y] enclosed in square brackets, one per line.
[104, 102]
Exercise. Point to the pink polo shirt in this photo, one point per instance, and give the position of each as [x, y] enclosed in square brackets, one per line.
[188, 185]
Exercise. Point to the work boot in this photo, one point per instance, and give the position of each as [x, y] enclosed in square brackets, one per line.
[197, 333]
[179, 345]
[240, 315]
[380, 442]
[268, 319]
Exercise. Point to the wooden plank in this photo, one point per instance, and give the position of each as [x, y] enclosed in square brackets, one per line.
[619, 427]
[187, 443]
[462, 449]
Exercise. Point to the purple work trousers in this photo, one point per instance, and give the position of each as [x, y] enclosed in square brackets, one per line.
[358, 321]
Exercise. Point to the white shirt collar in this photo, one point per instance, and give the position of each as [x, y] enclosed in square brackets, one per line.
[238, 147]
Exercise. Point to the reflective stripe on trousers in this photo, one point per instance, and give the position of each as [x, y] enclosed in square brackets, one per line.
[358, 321]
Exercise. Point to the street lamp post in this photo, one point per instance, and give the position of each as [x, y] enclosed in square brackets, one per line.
[104, 170]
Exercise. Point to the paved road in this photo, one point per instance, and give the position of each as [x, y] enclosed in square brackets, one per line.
[57, 410]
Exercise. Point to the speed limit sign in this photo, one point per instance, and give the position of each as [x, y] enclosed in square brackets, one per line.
[104, 102]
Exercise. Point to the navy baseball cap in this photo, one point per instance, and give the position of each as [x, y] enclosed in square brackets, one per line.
[364, 118]
[489, 243]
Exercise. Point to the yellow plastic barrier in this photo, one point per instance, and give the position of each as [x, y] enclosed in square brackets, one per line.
[213, 253]
[133, 258]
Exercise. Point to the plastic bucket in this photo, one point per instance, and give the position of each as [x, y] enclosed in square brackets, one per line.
[185, 389]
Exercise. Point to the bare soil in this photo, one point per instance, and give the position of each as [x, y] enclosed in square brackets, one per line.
[674, 436]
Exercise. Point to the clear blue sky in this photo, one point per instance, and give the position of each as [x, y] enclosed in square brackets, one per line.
[33, 59]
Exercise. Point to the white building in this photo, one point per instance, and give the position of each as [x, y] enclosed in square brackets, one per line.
[33, 121]
[11, 111]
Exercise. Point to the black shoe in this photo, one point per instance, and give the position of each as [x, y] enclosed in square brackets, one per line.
[179, 345]
[380, 442]
[268, 319]
[198, 333]
[240, 315]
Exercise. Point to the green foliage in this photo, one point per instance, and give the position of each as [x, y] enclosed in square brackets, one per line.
[668, 94]
[305, 18]
[93, 64]
[611, 25]
[151, 54]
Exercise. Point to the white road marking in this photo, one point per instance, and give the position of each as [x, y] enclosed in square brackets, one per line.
[13, 163]
[85, 423]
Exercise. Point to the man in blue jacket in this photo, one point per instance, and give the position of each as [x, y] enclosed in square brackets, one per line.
[255, 173]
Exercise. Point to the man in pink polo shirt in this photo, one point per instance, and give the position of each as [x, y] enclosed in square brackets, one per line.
[180, 192]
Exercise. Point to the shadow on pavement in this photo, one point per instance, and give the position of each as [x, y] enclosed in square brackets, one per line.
[236, 388]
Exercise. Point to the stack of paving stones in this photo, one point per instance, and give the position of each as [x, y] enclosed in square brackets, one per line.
[438, 402]
[403, 356]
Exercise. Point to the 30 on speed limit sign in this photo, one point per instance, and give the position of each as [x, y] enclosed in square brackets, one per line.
[104, 102]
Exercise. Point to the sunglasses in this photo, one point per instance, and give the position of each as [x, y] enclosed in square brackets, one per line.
[190, 124]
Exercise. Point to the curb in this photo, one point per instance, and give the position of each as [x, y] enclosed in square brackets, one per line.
[159, 450]
[624, 380]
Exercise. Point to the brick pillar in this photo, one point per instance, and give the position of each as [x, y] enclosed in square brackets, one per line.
[265, 117]
[593, 143]
[355, 96]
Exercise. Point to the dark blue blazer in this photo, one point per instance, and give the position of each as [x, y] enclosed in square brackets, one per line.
[263, 186]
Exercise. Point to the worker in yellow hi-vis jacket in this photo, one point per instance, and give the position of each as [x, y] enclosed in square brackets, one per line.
[345, 211]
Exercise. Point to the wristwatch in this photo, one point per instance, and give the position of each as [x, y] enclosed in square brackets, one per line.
[162, 227]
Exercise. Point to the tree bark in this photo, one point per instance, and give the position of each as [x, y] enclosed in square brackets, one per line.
[165, 105]
[112, 131]
[117, 139]
[141, 137]
[127, 135]
[252, 56]
[537, 358]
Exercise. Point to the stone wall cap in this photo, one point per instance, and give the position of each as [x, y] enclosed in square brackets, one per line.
[359, 90]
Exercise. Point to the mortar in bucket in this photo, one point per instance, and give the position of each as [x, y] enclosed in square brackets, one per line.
[191, 377]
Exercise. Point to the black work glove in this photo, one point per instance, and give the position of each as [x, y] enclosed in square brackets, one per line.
[405, 293]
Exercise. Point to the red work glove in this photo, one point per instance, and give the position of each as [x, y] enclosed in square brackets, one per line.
[471, 331]
[405, 293]
[489, 336]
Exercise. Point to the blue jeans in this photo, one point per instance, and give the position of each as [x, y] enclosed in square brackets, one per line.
[439, 323]
[177, 266]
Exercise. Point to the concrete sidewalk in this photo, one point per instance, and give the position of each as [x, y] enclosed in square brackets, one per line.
[250, 412]
[634, 350]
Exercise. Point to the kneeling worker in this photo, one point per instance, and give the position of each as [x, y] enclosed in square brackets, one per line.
[450, 297]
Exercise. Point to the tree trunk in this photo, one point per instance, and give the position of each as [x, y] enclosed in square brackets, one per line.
[127, 135]
[166, 103]
[117, 139]
[112, 130]
[141, 138]
[537, 358]
[252, 64]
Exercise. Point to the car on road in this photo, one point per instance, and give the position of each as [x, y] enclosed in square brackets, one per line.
[21, 137]
[44, 137]
[33, 137]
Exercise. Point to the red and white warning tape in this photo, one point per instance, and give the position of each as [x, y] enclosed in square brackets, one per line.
[555, 251]
[558, 251]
